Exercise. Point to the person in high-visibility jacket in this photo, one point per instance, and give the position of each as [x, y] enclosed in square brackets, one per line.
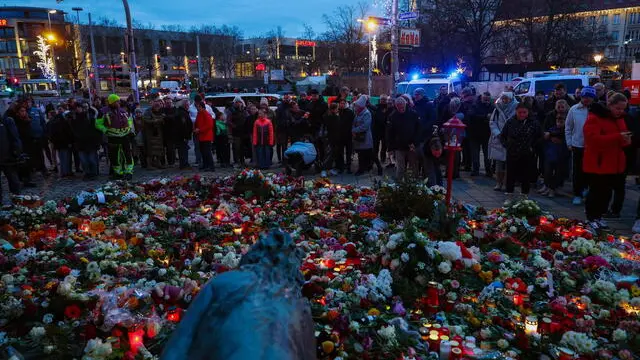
[118, 126]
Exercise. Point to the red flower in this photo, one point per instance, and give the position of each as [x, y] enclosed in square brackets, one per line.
[72, 311]
[63, 271]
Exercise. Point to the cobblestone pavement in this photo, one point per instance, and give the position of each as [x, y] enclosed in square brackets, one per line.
[477, 191]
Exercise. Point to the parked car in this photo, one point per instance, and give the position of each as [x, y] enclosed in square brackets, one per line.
[176, 95]
[431, 84]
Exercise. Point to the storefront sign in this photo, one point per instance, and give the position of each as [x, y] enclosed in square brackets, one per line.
[305, 43]
[409, 37]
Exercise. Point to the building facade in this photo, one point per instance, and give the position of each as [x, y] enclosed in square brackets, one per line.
[19, 29]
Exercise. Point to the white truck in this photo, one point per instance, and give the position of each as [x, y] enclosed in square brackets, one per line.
[171, 85]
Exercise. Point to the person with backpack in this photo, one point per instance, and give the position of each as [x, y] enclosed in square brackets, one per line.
[10, 151]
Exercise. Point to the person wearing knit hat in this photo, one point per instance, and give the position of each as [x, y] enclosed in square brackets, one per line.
[362, 135]
[118, 125]
[574, 136]
[588, 91]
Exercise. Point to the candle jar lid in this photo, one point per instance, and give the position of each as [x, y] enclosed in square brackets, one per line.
[444, 338]
[433, 337]
[456, 351]
[454, 343]
[531, 320]
[437, 326]
[423, 330]
[566, 351]
[470, 339]
[434, 332]
[546, 320]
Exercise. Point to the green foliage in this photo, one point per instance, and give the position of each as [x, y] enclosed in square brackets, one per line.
[406, 199]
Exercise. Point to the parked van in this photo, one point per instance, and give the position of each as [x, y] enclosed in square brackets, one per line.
[546, 83]
[222, 100]
[432, 84]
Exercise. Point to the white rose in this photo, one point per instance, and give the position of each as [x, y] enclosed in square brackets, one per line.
[513, 229]
[162, 272]
[503, 344]
[37, 332]
[445, 267]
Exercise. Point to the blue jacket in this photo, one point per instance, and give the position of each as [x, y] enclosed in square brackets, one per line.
[10, 145]
[38, 123]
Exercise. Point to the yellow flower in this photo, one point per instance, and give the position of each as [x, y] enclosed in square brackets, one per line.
[635, 291]
[327, 347]
[374, 312]
[84, 260]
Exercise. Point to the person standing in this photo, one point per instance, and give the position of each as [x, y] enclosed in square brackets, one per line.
[23, 124]
[204, 128]
[345, 146]
[379, 130]
[556, 156]
[519, 137]
[560, 93]
[574, 135]
[239, 130]
[362, 137]
[138, 123]
[263, 140]
[86, 138]
[281, 126]
[505, 110]
[403, 137]
[183, 132]
[10, 151]
[62, 139]
[317, 108]
[479, 132]
[605, 137]
[118, 126]
[38, 137]
[222, 141]
[154, 131]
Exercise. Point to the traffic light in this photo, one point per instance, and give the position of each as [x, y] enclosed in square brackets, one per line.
[158, 58]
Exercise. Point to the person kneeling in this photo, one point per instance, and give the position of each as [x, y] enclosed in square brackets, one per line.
[299, 156]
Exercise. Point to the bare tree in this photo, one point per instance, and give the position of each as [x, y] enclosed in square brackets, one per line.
[347, 37]
[475, 26]
[225, 41]
[172, 28]
[308, 33]
[107, 22]
[550, 31]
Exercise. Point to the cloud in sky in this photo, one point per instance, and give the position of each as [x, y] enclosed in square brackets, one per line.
[254, 17]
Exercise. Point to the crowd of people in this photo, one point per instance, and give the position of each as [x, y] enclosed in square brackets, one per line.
[534, 142]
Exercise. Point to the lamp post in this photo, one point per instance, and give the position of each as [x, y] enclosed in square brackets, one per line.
[82, 53]
[454, 133]
[597, 58]
[371, 27]
[133, 68]
[51, 37]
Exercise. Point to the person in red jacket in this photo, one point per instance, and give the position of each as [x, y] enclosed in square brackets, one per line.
[605, 136]
[263, 140]
[204, 130]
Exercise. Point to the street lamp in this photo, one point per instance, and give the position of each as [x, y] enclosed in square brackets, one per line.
[52, 37]
[597, 58]
[371, 26]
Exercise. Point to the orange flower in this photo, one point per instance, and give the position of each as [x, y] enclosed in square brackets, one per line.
[476, 267]
[332, 315]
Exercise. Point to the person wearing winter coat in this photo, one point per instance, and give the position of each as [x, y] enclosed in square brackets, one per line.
[38, 137]
[403, 137]
[154, 119]
[61, 137]
[560, 93]
[556, 156]
[117, 125]
[239, 130]
[505, 110]
[605, 137]
[379, 128]
[478, 133]
[138, 123]
[182, 131]
[362, 136]
[574, 135]
[281, 126]
[520, 136]
[204, 128]
[10, 151]
[344, 143]
[86, 138]
[263, 140]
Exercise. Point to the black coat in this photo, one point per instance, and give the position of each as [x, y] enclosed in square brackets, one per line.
[10, 144]
[427, 115]
[317, 110]
[520, 137]
[178, 126]
[83, 127]
[478, 121]
[379, 126]
[403, 130]
[60, 132]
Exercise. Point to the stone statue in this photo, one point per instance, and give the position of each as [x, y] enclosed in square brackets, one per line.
[256, 312]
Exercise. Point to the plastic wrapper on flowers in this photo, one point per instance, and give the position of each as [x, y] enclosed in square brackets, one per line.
[111, 272]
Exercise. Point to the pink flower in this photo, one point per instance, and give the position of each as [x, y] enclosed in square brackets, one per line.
[595, 262]
[455, 284]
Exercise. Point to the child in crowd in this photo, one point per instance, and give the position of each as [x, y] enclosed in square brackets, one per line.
[263, 140]
[557, 157]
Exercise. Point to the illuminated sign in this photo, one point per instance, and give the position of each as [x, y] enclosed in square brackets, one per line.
[3, 22]
[410, 37]
[307, 43]
[260, 67]
[177, 67]
[193, 61]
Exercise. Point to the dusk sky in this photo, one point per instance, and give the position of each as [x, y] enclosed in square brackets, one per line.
[254, 17]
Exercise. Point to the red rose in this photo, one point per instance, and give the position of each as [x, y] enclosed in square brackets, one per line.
[63, 271]
[351, 250]
[72, 311]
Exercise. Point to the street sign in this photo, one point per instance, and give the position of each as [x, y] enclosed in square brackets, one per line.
[380, 21]
[408, 15]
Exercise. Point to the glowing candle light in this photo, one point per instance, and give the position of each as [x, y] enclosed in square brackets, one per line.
[531, 325]
[135, 339]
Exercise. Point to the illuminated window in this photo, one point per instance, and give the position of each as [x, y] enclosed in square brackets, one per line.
[604, 19]
[616, 19]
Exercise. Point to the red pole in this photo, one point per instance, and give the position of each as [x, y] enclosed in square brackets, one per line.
[450, 176]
